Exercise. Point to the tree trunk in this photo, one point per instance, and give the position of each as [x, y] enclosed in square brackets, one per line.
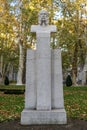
[74, 65]
[84, 73]
[11, 72]
[24, 69]
[20, 69]
[1, 68]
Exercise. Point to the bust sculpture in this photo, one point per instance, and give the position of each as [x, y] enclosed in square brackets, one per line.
[43, 18]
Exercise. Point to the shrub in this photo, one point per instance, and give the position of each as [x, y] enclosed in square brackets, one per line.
[14, 91]
[6, 81]
[68, 81]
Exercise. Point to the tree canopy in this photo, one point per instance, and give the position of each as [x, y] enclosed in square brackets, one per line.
[70, 17]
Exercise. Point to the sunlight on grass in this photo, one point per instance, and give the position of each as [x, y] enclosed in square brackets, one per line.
[10, 106]
[76, 102]
[75, 99]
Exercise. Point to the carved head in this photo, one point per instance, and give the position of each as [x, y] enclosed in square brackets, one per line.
[43, 18]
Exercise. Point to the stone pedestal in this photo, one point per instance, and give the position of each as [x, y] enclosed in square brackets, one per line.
[56, 80]
[44, 102]
[44, 105]
[30, 117]
[43, 63]
[30, 92]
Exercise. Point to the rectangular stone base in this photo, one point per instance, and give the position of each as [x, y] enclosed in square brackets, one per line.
[29, 117]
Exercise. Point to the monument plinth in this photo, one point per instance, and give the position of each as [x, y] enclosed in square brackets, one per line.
[44, 103]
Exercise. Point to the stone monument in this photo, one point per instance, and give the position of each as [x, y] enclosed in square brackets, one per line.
[44, 102]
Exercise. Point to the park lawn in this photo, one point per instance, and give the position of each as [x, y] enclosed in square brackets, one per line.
[11, 106]
[12, 87]
[75, 99]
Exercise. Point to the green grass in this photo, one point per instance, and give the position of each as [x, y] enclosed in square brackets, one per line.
[75, 99]
[10, 106]
[12, 87]
[76, 102]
